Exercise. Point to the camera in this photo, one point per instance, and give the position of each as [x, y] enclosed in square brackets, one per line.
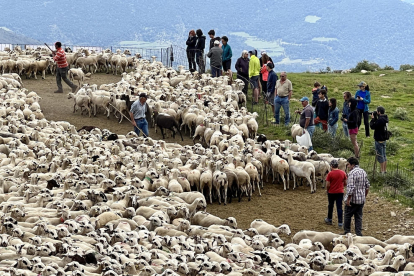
[375, 113]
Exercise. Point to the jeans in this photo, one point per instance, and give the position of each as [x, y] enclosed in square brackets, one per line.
[62, 74]
[366, 122]
[143, 125]
[200, 62]
[191, 60]
[332, 129]
[215, 72]
[345, 128]
[311, 130]
[356, 211]
[246, 82]
[282, 102]
[380, 150]
[332, 199]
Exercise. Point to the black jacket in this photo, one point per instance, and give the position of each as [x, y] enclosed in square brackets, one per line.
[191, 42]
[212, 42]
[200, 44]
[379, 126]
[322, 108]
[353, 115]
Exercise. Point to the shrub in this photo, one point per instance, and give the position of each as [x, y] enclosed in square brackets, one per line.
[387, 67]
[391, 148]
[404, 67]
[365, 65]
[401, 113]
[324, 140]
[396, 131]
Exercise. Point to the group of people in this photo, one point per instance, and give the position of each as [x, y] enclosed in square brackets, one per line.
[220, 53]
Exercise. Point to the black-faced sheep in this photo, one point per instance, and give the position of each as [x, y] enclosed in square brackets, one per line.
[163, 120]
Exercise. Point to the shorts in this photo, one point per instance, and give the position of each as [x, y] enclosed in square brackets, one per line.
[226, 65]
[254, 81]
[353, 131]
[380, 151]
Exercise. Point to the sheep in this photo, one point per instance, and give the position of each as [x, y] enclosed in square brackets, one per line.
[302, 169]
[163, 120]
[281, 167]
[76, 74]
[265, 228]
[205, 219]
[80, 101]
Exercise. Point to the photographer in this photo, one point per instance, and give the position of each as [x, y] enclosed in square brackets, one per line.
[379, 123]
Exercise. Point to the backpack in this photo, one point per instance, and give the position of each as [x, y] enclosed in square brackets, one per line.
[388, 133]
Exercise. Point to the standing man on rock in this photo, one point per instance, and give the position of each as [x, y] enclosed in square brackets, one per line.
[62, 68]
[356, 193]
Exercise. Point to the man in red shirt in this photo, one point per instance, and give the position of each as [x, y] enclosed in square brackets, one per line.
[62, 68]
[335, 182]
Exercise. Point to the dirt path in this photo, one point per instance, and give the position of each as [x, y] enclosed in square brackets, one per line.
[297, 208]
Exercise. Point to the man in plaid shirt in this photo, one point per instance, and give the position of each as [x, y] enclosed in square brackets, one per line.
[62, 68]
[356, 192]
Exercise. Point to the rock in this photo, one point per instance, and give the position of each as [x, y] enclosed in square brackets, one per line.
[393, 214]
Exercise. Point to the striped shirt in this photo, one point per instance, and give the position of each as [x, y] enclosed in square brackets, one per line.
[357, 184]
[60, 58]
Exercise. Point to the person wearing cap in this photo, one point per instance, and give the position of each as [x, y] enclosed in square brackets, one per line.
[211, 34]
[200, 45]
[356, 193]
[215, 55]
[227, 55]
[379, 123]
[261, 58]
[242, 68]
[363, 96]
[139, 113]
[254, 71]
[306, 118]
[271, 85]
[283, 92]
[62, 69]
[335, 182]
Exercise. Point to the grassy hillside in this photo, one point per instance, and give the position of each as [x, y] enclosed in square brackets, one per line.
[394, 90]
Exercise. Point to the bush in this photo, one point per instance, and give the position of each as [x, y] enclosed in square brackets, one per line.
[391, 148]
[404, 67]
[387, 67]
[365, 65]
[401, 113]
[396, 131]
[334, 146]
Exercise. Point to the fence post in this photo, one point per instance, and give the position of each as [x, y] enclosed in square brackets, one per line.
[375, 167]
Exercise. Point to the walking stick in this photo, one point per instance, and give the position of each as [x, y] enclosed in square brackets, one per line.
[122, 114]
[49, 47]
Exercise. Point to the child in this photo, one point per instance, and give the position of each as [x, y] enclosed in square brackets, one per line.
[315, 92]
[321, 110]
[333, 116]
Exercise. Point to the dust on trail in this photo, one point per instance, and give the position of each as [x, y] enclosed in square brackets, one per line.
[297, 208]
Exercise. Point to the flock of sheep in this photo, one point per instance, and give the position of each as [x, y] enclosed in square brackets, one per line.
[91, 202]
[32, 61]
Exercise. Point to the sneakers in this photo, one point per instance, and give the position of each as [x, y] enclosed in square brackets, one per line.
[58, 91]
[328, 221]
[74, 88]
[340, 225]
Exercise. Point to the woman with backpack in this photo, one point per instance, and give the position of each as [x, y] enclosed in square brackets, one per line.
[363, 97]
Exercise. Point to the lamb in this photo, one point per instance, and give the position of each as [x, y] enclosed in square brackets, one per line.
[40, 65]
[205, 219]
[80, 101]
[265, 228]
[323, 237]
[120, 107]
[163, 120]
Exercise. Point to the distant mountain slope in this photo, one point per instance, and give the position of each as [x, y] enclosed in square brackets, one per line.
[8, 36]
[299, 35]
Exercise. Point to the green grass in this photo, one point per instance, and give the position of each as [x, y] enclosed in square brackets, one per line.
[392, 91]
